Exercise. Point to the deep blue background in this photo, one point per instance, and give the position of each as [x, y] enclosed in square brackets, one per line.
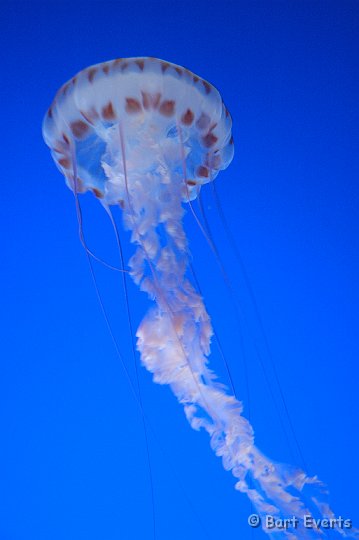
[72, 453]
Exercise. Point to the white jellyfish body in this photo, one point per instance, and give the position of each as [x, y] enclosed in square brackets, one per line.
[146, 135]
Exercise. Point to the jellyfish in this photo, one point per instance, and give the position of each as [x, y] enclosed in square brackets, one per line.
[146, 135]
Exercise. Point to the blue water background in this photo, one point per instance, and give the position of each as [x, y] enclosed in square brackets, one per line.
[72, 453]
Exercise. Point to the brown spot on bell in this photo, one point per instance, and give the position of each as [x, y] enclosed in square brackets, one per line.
[202, 171]
[203, 121]
[187, 117]
[209, 140]
[207, 86]
[79, 128]
[167, 108]
[65, 163]
[133, 106]
[107, 112]
[91, 74]
[140, 63]
[98, 193]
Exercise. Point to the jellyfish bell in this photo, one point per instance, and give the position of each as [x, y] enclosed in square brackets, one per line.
[146, 134]
[173, 124]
